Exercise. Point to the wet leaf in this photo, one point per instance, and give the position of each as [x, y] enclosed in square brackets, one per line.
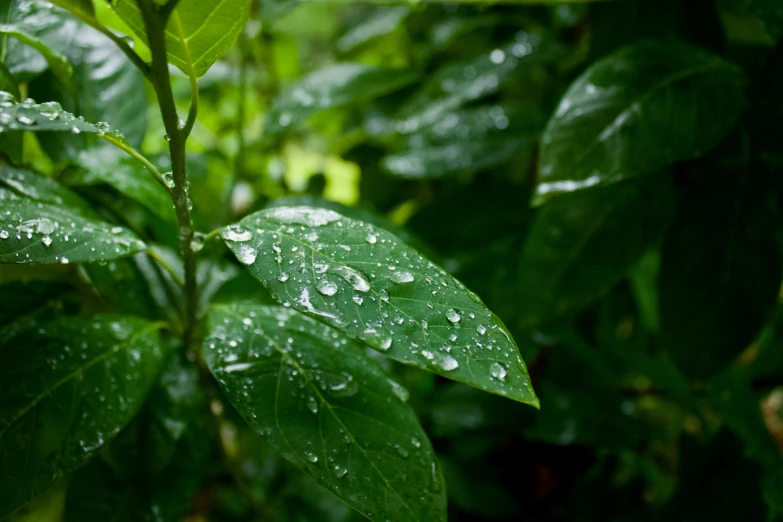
[332, 86]
[44, 223]
[383, 21]
[198, 31]
[364, 281]
[328, 409]
[636, 111]
[63, 401]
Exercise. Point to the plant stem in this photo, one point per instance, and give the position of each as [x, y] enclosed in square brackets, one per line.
[155, 19]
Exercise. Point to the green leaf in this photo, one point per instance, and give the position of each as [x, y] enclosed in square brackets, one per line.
[61, 402]
[365, 282]
[198, 31]
[43, 223]
[471, 139]
[108, 165]
[334, 85]
[57, 62]
[327, 408]
[383, 21]
[720, 269]
[581, 244]
[635, 112]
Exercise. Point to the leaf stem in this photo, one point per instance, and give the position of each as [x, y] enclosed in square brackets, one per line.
[212, 235]
[135, 154]
[155, 18]
[165, 264]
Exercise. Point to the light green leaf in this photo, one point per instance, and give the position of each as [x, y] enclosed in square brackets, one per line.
[61, 402]
[44, 223]
[198, 31]
[383, 21]
[637, 111]
[365, 282]
[57, 62]
[332, 86]
[328, 408]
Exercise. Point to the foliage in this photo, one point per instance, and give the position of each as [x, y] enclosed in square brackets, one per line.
[311, 261]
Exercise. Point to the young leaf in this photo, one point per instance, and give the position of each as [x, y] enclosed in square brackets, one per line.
[57, 62]
[582, 243]
[637, 111]
[328, 408]
[61, 402]
[44, 223]
[364, 281]
[332, 86]
[198, 31]
[720, 269]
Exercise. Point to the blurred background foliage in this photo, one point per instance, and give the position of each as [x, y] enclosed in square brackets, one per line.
[427, 118]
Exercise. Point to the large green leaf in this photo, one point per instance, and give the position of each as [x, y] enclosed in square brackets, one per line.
[62, 401]
[328, 408]
[720, 269]
[383, 21]
[332, 86]
[580, 244]
[365, 282]
[198, 32]
[45, 223]
[636, 111]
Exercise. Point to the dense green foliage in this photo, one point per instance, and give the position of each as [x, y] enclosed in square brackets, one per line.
[301, 261]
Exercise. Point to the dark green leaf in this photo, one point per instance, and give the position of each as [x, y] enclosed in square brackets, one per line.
[43, 223]
[110, 166]
[328, 409]
[468, 140]
[636, 111]
[332, 86]
[364, 281]
[198, 31]
[61, 402]
[581, 244]
[720, 269]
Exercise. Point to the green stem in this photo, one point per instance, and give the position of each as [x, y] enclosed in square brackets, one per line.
[132, 152]
[155, 18]
[214, 234]
[165, 264]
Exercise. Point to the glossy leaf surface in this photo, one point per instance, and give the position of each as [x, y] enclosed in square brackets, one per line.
[43, 223]
[56, 61]
[61, 402]
[636, 111]
[198, 31]
[364, 281]
[328, 408]
[332, 86]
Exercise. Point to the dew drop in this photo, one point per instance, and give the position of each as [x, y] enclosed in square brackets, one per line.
[237, 233]
[312, 457]
[498, 370]
[386, 344]
[246, 254]
[402, 276]
[452, 315]
[326, 287]
[372, 238]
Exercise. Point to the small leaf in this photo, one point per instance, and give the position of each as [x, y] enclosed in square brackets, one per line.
[365, 282]
[720, 269]
[327, 408]
[581, 244]
[61, 402]
[198, 31]
[44, 223]
[332, 86]
[635, 112]
[57, 62]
